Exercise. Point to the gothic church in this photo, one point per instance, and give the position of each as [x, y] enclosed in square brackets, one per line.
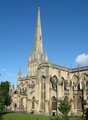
[45, 83]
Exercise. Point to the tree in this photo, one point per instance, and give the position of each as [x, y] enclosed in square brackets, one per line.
[64, 108]
[5, 99]
[86, 114]
[2, 100]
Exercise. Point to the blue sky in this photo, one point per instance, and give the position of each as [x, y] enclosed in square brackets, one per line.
[64, 29]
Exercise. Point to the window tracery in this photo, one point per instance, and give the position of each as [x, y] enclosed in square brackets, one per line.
[53, 81]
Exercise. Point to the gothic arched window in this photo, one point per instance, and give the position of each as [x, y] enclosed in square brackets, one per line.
[54, 103]
[33, 102]
[65, 85]
[78, 86]
[87, 85]
[15, 105]
[79, 103]
[53, 81]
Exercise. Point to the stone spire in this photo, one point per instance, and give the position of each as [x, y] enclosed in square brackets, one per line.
[19, 75]
[38, 49]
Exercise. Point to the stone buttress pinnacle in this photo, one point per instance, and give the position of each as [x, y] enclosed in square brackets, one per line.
[38, 49]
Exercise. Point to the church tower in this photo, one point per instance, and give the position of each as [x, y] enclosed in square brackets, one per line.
[38, 55]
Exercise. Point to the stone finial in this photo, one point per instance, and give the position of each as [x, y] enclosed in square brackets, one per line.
[46, 57]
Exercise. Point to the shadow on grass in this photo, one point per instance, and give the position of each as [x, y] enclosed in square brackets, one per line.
[1, 114]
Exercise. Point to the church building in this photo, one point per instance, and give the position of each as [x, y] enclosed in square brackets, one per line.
[45, 83]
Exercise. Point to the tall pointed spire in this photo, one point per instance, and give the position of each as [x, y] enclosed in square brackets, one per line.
[38, 49]
[19, 75]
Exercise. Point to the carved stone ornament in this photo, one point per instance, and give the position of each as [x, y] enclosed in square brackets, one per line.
[32, 84]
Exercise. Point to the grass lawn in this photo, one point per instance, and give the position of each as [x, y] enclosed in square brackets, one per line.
[18, 116]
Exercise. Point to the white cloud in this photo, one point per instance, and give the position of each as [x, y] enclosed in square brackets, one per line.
[82, 60]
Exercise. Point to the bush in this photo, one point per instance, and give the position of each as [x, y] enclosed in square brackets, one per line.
[64, 108]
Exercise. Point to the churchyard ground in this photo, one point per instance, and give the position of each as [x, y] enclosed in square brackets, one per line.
[19, 116]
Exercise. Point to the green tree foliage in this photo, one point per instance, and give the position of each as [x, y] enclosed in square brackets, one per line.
[5, 99]
[2, 101]
[86, 114]
[64, 108]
